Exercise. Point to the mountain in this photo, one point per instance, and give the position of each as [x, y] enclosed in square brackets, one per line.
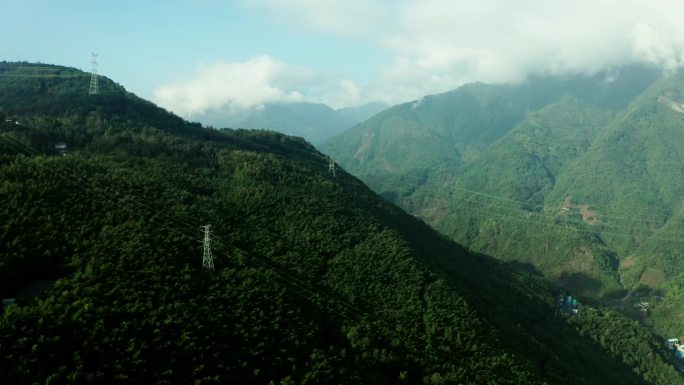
[313, 122]
[360, 113]
[638, 188]
[411, 140]
[580, 177]
[316, 279]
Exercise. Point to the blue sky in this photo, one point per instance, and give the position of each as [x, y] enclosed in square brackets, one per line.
[143, 44]
[191, 55]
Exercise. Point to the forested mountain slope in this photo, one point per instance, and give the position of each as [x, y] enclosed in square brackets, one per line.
[503, 195]
[586, 185]
[396, 150]
[316, 279]
[638, 188]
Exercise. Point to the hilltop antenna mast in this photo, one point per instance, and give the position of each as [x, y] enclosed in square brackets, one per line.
[94, 88]
[207, 258]
[331, 165]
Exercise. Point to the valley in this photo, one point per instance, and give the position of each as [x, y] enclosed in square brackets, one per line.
[313, 279]
[584, 184]
[269, 192]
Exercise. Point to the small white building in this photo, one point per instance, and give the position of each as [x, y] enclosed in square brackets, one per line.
[61, 148]
[671, 343]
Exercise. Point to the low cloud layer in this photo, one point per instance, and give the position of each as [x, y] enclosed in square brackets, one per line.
[242, 85]
[437, 45]
[498, 39]
[251, 84]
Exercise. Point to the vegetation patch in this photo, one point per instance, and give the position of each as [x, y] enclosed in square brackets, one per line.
[652, 277]
[589, 216]
[627, 263]
[316, 280]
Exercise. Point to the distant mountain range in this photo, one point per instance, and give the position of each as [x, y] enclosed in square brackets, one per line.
[314, 122]
[580, 177]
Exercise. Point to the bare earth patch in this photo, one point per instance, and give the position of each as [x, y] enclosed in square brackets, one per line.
[673, 105]
[652, 277]
[627, 263]
[589, 216]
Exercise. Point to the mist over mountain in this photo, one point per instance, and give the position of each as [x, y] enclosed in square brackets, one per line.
[314, 122]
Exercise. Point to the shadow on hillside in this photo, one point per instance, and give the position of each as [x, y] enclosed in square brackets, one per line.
[522, 267]
[580, 283]
[519, 303]
[514, 300]
[389, 196]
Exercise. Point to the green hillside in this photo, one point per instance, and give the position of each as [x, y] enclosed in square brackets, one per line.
[637, 190]
[504, 193]
[317, 279]
[399, 148]
[587, 189]
[586, 186]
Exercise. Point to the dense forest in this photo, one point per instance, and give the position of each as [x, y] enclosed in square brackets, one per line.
[317, 280]
[579, 176]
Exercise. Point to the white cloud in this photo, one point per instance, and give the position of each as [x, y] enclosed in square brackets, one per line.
[440, 44]
[659, 47]
[350, 94]
[240, 85]
[437, 45]
[253, 83]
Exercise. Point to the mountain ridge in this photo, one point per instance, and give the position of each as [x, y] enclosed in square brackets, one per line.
[587, 188]
[316, 280]
[315, 122]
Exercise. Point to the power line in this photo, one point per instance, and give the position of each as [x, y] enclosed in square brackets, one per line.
[488, 211]
[546, 207]
[322, 298]
[331, 302]
[83, 183]
[540, 219]
[304, 288]
[125, 204]
[525, 213]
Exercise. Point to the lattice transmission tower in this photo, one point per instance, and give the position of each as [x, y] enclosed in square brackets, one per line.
[331, 165]
[94, 88]
[207, 258]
